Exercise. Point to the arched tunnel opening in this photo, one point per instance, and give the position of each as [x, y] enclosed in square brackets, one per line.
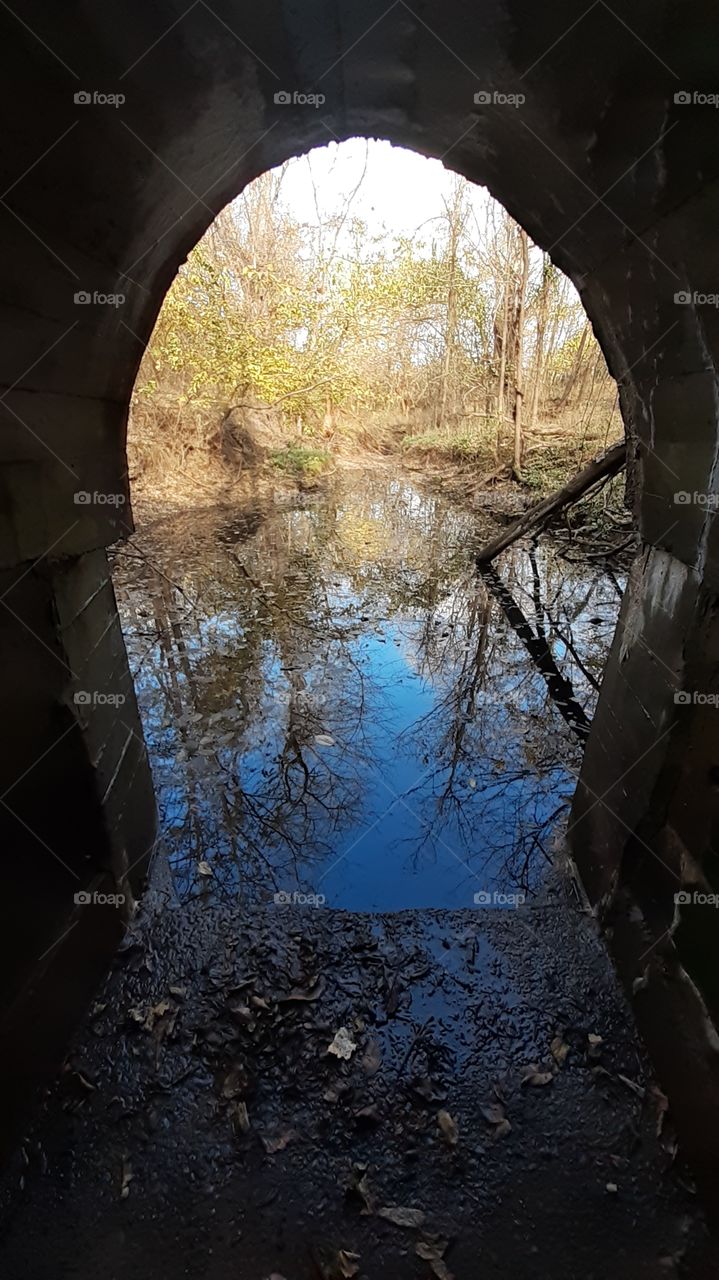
[248, 1104]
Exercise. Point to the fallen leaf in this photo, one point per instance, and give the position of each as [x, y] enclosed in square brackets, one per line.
[448, 1128]
[493, 1112]
[358, 1185]
[343, 1046]
[277, 1140]
[559, 1050]
[532, 1075]
[241, 1118]
[204, 869]
[372, 1060]
[235, 1082]
[324, 739]
[148, 1017]
[594, 1043]
[401, 1216]
[347, 1263]
[433, 1253]
[125, 1179]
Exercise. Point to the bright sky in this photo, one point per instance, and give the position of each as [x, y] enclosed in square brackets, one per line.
[401, 189]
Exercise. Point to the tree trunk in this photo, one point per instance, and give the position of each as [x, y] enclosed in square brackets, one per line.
[518, 373]
[503, 360]
[599, 468]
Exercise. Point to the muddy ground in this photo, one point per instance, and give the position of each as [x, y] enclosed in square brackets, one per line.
[494, 1115]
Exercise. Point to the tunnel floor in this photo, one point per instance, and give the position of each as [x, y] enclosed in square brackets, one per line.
[485, 1107]
[446, 1079]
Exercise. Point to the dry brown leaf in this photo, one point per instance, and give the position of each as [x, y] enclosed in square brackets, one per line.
[241, 1117]
[277, 1140]
[433, 1253]
[448, 1127]
[235, 1082]
[493, 1112]
[347, 1263]
[532, 1075]
[559, 1050]
[372, 1059]
[401, 1215]
[358, 1185]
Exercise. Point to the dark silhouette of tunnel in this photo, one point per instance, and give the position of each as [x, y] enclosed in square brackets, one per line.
[126, 131]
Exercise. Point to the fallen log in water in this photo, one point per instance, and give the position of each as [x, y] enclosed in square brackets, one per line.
[601, 468]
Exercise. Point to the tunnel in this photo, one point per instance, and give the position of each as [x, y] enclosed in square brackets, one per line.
[126, 132]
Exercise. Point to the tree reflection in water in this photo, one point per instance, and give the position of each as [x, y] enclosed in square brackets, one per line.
[336, 702]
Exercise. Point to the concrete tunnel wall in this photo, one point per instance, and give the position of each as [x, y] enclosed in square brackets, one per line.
[604, 167]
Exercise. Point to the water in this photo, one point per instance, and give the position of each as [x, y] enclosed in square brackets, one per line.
[337, 706]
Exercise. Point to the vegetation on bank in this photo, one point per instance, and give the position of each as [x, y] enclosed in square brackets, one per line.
[285, 348]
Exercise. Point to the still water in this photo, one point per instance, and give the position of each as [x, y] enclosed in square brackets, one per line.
[336, 704]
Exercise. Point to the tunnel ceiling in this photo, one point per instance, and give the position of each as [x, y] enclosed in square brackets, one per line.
[127, 131]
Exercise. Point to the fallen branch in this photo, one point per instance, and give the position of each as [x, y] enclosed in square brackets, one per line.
[600, 468]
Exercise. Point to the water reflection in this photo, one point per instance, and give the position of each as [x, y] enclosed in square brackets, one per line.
[336, 703]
